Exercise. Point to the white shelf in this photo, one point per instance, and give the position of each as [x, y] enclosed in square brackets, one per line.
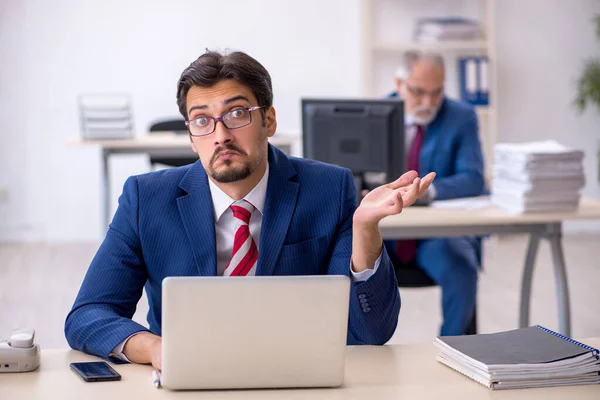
[441, 46]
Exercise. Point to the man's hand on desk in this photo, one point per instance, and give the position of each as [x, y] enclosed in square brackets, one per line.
[385, 200]
[144, 348]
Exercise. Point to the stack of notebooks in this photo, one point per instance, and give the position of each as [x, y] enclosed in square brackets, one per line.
[522, 358]
[452, 28]
[537, 177]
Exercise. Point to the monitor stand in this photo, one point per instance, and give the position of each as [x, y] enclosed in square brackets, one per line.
[358, 184]
[367, 181]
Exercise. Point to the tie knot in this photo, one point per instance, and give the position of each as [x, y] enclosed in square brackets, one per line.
[242, 210]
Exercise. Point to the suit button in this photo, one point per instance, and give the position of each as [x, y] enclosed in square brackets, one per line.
[366, 309]
[362, 301]
[362, 296]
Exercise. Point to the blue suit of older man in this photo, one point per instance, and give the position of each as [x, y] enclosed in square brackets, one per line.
[451, 148]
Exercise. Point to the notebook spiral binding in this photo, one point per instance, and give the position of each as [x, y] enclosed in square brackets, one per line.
[594, 351]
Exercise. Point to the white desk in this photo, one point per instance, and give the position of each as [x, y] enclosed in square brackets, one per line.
[386, 372]
[425, 222]
[165, 144]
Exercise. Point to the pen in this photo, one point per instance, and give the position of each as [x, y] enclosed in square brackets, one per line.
[156, 378]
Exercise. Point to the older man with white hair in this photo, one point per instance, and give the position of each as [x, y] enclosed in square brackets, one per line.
[441, 137]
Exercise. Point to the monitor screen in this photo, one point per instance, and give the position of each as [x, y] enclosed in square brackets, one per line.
[365, 136]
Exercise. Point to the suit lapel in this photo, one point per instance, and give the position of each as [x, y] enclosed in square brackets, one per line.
[197, 215]
[280, 203]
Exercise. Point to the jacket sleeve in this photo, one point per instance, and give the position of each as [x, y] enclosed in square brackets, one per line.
[468, 179]
[374, 303]
[101, 316]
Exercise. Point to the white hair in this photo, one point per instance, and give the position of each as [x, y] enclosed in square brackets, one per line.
[412, 57]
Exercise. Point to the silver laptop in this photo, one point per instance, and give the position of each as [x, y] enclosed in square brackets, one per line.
[254, 332]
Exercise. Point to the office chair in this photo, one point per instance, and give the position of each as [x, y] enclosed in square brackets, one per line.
[411, 276]
[176, 126]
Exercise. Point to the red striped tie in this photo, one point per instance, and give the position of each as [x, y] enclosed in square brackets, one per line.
[245, 253]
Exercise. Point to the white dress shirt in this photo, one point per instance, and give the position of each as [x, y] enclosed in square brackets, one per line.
[225, 227]
[226, 224]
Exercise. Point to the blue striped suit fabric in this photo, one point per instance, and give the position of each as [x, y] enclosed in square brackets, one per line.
[164, 226]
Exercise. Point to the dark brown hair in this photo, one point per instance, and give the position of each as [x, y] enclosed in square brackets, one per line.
[213, 67]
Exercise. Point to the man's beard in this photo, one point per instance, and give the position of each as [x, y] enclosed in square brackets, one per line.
[230, 174]
[424, 120]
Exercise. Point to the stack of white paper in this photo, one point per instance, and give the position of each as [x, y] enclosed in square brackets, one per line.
[537, 176]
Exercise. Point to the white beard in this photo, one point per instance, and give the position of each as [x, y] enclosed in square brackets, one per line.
[424, 120]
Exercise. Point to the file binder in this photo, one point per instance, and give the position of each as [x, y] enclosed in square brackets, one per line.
[474, 80]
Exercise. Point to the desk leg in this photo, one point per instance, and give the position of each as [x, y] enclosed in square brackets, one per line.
[560, 278]
[534, 241]
[105, 190]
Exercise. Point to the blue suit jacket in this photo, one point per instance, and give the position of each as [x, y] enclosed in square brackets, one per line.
[451, 148]
[164, 226]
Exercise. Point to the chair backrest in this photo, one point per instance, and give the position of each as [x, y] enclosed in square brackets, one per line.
[177, 126]
[171, 125]
[410, 275]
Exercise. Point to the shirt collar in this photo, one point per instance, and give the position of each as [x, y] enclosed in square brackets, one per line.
[256, 197]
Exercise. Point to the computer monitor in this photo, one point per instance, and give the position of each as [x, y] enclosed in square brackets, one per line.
[363, 135]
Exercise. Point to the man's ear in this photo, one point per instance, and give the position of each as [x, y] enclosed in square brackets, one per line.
[193, 145]
[271, 121]
[399, 82]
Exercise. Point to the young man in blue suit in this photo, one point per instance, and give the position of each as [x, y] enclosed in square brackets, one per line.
[442, 137]
[245, 208]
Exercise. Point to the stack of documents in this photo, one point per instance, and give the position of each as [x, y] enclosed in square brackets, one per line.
[436, 29]
[522, 358]
[537, 177]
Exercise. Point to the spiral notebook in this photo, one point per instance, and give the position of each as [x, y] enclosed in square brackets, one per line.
[521, 358]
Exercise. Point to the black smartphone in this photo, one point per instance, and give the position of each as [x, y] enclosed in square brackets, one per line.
[96, 371]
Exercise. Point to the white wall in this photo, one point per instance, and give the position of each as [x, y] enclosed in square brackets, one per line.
[541, 48]
[52, 50]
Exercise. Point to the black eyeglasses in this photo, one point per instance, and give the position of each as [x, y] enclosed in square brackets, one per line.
[234, 119]
[420, 92]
